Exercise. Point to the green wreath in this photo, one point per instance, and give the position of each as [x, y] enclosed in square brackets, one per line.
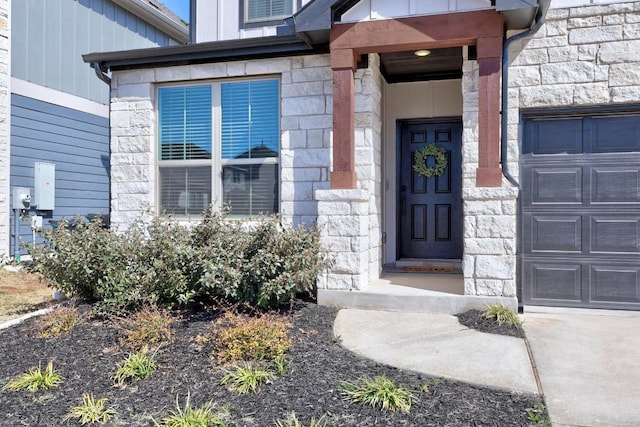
[420, 160]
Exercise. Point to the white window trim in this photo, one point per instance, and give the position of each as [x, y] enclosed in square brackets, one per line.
[266, 18]
[216, 161]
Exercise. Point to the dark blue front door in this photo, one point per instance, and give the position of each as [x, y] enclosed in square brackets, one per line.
[430, 209]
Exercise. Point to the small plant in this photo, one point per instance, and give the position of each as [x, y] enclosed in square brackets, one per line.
[200, 416]
[379, 392]
[538, 414]
[292, 421]
[501, 314]
[246, 379]
[137, 365]
[58, 322]
[36, 379]
[149, 326]
[281, 365]
[91, 411]
[241, 337]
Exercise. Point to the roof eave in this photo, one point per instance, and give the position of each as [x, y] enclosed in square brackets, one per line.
[168, 23]
[218, 51]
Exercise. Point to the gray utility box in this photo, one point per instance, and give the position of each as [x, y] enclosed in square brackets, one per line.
[45, 186]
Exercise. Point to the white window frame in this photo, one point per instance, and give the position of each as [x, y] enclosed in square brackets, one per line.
[266, 18]
[216, 162]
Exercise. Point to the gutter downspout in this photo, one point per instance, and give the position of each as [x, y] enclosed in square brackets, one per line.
[101, 74]
[544, 5]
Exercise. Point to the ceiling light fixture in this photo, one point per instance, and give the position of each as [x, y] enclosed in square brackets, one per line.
[422, 52]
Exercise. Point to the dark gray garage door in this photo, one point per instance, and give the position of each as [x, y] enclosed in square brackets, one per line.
[581, 211]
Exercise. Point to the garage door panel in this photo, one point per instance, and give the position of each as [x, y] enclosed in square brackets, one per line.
[615, 134]
[554, 233]
[615, 234]
[615, 284]
[553, 136]
[615, 184]
[556, 185]
[555, 281]
[580, 220]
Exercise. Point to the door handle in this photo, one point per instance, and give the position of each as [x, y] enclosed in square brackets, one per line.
[403, 200]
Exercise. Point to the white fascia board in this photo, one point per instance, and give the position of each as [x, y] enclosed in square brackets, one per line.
[172, 26]
[63, 99]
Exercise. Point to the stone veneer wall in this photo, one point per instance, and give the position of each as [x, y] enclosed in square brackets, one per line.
[306, 127]
[351, 220]
[489, 260]
[5, 78]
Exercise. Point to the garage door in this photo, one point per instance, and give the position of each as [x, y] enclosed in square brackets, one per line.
[581, 211]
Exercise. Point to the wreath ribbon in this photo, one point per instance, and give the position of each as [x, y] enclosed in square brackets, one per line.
[420, 160]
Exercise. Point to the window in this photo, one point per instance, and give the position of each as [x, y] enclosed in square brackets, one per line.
[267, 10]
[219, 142]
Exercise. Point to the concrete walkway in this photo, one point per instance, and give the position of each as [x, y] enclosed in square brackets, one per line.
[588, 365]
[436, 344]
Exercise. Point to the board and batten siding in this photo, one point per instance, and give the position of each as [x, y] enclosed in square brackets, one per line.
[76, 142]
[49, 38]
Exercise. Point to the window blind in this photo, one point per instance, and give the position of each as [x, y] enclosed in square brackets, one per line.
[265, 9]
[250, 119]
[185, 122]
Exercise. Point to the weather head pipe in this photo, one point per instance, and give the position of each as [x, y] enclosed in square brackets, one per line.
[504, 125]
[101, 74]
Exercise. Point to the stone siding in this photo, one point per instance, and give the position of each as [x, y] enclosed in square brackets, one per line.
[489, 259]
[5, 78]
[581, 56]
[306, 129]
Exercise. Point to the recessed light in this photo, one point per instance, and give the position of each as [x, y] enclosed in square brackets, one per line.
[422, 52]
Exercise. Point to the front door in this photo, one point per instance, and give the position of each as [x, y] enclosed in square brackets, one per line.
[430, 209]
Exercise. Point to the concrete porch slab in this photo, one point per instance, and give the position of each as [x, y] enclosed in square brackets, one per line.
[412, 292]
[437, 345]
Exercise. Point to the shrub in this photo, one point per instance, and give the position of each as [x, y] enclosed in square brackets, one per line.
[135, 366]
[501, 314]
[246, 379]
[91, 411]
[239, 337]
[149, 326]
[57, 322]
[36, 379]
[164, 263]
[379, 392]
[292, 420]
[200, 416]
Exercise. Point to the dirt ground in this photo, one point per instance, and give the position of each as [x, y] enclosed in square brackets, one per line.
[22, 292]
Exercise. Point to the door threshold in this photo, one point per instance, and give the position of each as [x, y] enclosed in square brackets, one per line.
[424, 265]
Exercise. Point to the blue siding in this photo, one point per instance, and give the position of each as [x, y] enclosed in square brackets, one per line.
[49, 37]
[78, 144]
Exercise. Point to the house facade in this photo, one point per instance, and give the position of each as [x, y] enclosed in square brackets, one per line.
[54, 136]
[499, 138]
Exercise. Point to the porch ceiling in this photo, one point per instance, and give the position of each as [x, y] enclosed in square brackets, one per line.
[445, 63]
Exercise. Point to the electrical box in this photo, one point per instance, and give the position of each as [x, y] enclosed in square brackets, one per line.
[21, 198]
[45, 186]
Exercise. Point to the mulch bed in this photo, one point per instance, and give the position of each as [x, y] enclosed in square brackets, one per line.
[86, 358]
[476, 320]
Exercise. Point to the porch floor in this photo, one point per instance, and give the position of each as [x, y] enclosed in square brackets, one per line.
[412, 292]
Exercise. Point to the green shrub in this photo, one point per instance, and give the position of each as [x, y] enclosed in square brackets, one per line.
[247, 379]
[502, 314]
[164, 263]
[379, 392]
[135, 366]
[189, 416]
[36, 379]
[91, 411]
[239, 337]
